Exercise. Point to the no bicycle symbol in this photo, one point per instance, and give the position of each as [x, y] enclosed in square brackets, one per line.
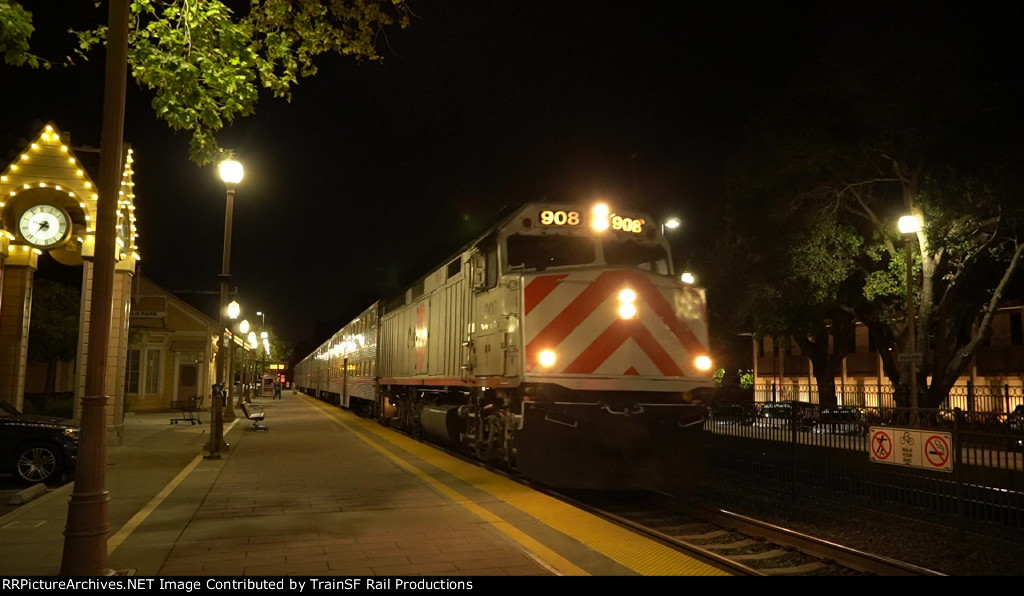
[910, 447]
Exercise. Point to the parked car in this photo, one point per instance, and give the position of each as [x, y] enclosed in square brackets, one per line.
[733, 412]
[841, 420]
[1015, 424]
[36, 449]
[781, 414]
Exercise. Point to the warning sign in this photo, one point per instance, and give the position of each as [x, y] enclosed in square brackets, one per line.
[881, 444]
[937, 451]
[911, 447]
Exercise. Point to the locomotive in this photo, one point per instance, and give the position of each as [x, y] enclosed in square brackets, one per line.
[558, 344]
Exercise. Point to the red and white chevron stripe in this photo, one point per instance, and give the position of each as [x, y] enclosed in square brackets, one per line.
[576, 315]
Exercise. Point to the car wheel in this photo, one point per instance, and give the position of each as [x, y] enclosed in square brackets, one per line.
[38, 462]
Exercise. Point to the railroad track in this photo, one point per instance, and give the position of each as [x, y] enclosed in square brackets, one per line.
[744, 544]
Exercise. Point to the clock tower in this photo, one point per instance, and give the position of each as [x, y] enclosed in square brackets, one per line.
[48, 206]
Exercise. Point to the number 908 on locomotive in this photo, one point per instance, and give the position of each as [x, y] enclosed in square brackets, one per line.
[560, 344]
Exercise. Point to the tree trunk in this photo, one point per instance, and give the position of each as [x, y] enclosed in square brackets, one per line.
[50, 384]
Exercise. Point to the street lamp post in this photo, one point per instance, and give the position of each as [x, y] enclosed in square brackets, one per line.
[243, 330]
[258, 364]
[670, 223]
[229, 367]
[85, 533]
[909, 226]
[231, 173]
[265, 338]
[254, 344]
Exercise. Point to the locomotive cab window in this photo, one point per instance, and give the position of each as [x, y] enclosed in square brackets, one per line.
[492, 268]
[629, 252]
[485, 263]
[454, 268]
[541, 252]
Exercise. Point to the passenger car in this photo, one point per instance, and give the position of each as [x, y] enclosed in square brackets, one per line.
[36, 448]
[1015, 424]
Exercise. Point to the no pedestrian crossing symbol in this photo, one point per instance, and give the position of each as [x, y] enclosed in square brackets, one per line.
[911, 447]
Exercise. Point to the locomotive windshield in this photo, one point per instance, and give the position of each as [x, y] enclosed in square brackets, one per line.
[539, 252]
[635, 253]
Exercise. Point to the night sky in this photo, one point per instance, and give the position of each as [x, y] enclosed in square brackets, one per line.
[374, 173]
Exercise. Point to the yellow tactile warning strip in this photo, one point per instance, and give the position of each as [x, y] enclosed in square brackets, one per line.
[642, 556]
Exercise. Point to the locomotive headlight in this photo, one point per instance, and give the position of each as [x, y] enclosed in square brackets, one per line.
[547, 358]
[627, 304]
[703, 363]
[599, 221]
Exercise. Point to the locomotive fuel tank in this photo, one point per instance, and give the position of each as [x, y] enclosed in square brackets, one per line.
[441, 423]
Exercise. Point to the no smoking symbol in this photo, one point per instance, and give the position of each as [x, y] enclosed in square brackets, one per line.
[936, 451]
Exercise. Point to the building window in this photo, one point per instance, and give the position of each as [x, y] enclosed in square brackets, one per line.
[131, 373]
[152, 371]
[1016, 329]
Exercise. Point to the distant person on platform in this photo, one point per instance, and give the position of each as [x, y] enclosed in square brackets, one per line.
[277, 388]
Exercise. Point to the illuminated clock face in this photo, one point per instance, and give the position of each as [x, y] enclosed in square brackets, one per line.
[44, 226]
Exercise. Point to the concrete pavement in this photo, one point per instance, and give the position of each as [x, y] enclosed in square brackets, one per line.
[297, 499]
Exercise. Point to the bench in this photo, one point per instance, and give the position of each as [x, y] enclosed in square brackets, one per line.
[255, 414]
[189, 409]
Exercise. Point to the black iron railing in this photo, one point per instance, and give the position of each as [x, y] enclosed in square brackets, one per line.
[966, 467]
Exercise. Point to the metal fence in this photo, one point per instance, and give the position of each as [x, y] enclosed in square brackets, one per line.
[970, 397]
[797, 449]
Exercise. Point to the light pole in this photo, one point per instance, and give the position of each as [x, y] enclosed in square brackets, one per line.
[243, 331]
[909, 226]
[670, 223]
[265, 338]
[231, 173]
[85, 533]
[229, 367]
[254, 344]
[258, 364]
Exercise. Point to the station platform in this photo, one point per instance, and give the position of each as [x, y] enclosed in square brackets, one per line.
[322, 492]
